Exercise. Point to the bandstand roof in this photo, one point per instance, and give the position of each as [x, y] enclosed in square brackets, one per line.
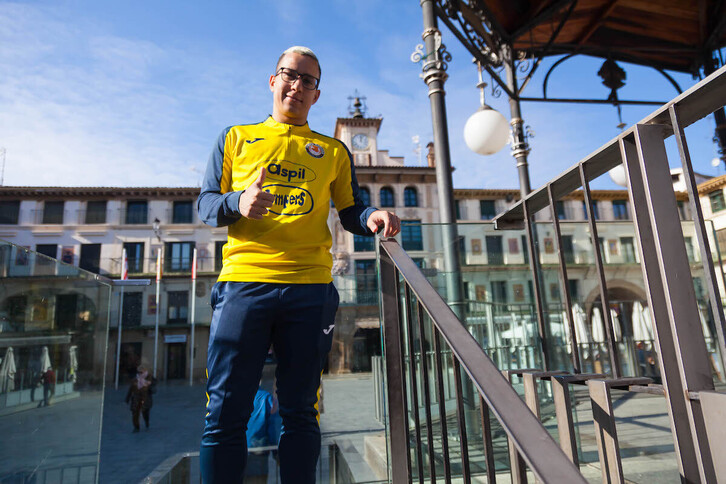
[665, 34]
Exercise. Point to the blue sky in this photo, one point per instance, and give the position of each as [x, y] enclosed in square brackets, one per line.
[134, 93]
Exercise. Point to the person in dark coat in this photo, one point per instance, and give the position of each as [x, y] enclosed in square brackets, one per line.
[139, 397]
[48, 381]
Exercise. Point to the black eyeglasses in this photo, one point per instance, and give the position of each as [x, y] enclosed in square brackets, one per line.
[291, 75]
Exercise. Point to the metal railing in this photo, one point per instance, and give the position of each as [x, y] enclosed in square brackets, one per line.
[695, 409]
[541, 453]
[417, 322]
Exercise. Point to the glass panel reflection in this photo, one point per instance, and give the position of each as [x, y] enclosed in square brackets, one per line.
[53, 330]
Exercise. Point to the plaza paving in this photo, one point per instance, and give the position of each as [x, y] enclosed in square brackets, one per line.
[67, 432]
[177, 421]
[43, 443]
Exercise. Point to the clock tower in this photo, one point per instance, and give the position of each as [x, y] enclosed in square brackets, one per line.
[359, 133]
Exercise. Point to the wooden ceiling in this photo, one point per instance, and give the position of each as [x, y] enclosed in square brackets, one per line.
[676, 35]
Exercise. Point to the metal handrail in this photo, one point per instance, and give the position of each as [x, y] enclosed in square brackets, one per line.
[542, 454]
[681, 346]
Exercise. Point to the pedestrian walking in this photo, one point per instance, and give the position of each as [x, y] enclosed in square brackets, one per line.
[139, 397]
[272, 184]
[47, 380]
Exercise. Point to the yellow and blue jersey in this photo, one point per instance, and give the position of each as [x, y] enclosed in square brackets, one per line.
[305, 171]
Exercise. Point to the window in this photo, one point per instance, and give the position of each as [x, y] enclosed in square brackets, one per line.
[574, 289]
[717, 201]
[363, 243]
[568, 249]
[9, 212]
[135, 256]
[136, 212]
[603, 251]
[53, 213]
[218, 250]
[628, 248]
[698, 289]
[410, 197]
[90, 257]
[365, 196]
[560, 208]
[132, 309]
[499, 292]
[178, 307]
[182, 212]
[50, 250]
[387, 199]
[689, 249]
[457, 206]
[488, 211]
[682, 211]
[595, 210]
[411, 236]
[495, 250]
[16, 308]
[96, 212]
[525, 249]
[178, 256]
[366, 281]
[620, 210]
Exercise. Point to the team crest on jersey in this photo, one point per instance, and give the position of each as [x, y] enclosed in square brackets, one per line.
[315, 150]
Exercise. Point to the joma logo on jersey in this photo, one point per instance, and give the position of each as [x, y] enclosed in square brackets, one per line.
[289, 172]
[289, 200]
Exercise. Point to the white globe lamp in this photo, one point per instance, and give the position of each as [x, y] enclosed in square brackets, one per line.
[486, 131]
[617, 175]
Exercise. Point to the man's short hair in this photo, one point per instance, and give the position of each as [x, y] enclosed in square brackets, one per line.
[299, 49]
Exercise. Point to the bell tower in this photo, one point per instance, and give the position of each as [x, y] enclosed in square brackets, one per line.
[359, 133]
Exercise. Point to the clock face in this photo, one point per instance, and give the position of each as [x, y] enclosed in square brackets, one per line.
[360, 141]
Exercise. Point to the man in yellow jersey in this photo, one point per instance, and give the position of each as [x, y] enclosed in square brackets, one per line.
[271, 184]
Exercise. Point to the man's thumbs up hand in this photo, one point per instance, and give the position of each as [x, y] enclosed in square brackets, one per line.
[253, 203]
[261, 178]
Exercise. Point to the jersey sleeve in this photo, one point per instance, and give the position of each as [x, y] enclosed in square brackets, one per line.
[217, 204]
[344, 190]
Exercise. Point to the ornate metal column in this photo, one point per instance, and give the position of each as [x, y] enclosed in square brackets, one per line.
[434, 75]
[520, 150]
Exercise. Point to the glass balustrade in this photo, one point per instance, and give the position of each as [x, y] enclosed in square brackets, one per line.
[53, 332]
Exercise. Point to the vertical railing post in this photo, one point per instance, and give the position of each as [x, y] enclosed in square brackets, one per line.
[536, 269]
[615, 367]
[408, 321]
[564, 285]
[395, 382]
[606, 434]
[486, 430]
[701, 234]
[671, 297]
[426, 391]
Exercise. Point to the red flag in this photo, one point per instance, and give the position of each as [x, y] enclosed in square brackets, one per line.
[158, 265]
[194, 265]
[124, 266]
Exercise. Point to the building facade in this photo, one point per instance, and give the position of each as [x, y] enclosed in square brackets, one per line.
[91, 227]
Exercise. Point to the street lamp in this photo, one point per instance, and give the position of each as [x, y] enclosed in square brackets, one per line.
[617, 175]
[487, 130]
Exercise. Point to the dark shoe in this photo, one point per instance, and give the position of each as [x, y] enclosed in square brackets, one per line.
[135, 430]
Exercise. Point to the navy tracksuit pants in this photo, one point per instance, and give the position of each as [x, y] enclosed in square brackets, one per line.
[298, 320]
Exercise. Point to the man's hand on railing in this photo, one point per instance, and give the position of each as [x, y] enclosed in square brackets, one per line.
[385, 223]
